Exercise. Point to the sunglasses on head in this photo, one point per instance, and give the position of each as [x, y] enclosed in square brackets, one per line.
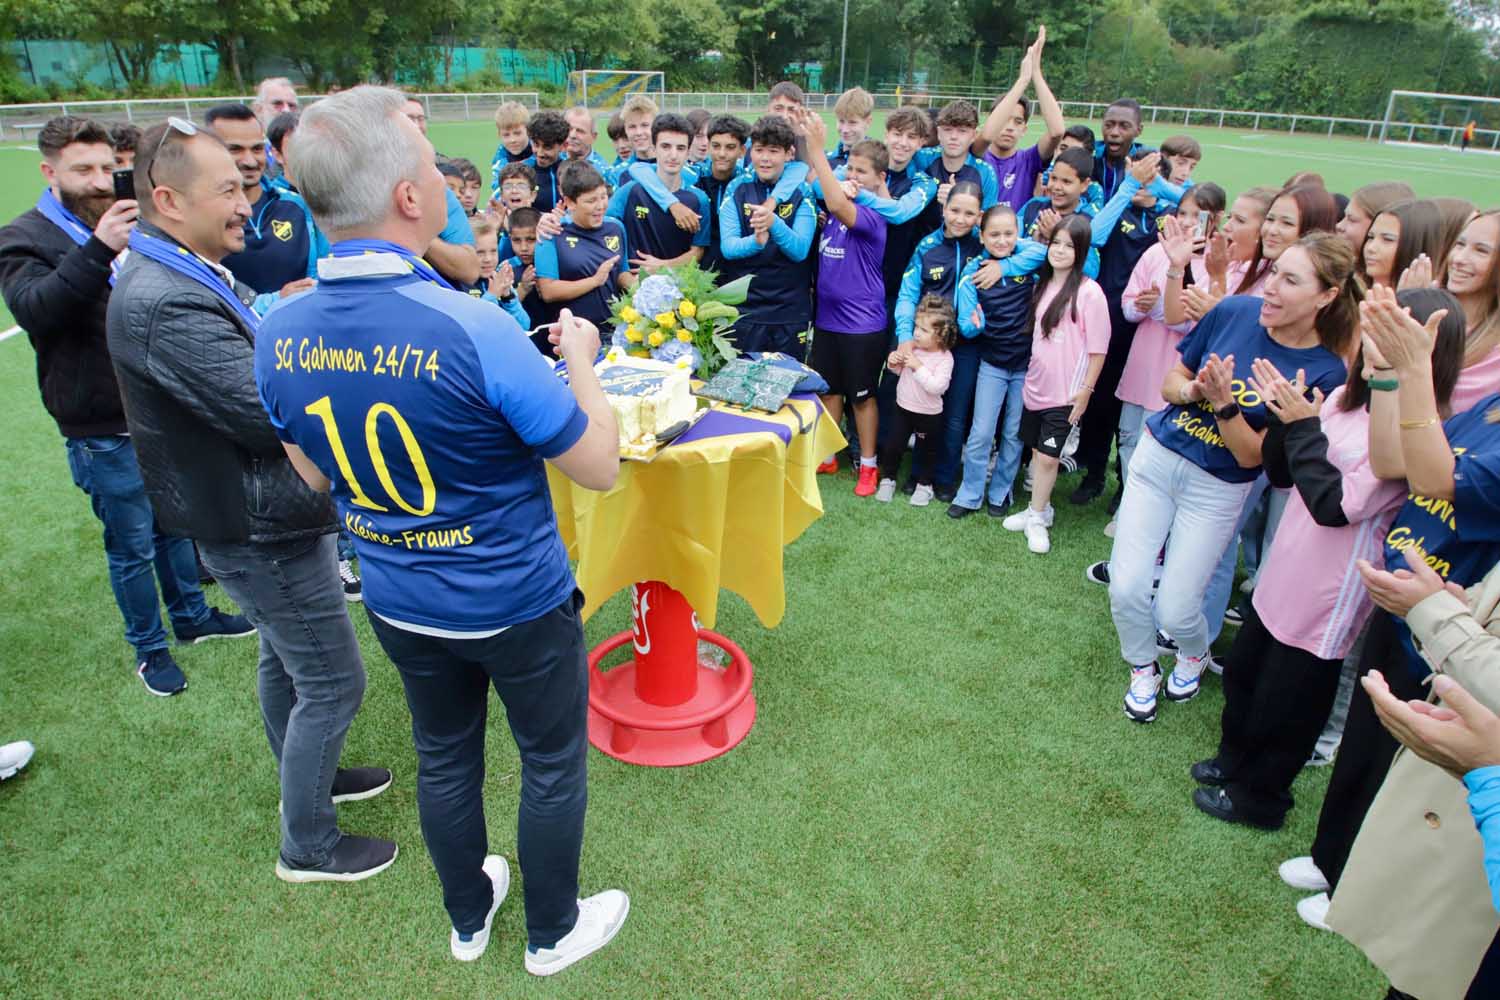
[175, 126]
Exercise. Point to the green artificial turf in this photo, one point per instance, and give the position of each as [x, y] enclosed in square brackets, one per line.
[941, 796]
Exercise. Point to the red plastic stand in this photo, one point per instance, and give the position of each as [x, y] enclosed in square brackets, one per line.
[666, 708]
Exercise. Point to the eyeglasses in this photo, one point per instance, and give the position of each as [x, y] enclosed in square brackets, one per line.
[177, 125]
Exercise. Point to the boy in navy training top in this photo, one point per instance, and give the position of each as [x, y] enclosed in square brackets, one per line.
[957, 127]
[549, 133]
[1017, 169]
[518, 249]
[584, 266]
[771, 241]
[655, 239]
[638, 112]
[849, 345]
[515, 146]
[853, 112]
[497, 278]
[727, 136]
[617, 137]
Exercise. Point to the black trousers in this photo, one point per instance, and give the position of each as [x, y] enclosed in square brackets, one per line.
[1276, 700]
[929, 430]
[1367, 751]
[1101, 420]
[540, 671]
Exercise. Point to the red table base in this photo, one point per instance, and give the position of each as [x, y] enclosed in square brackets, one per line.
[666, 708]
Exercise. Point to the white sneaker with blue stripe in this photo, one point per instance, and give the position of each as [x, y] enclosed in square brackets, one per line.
[1140, 697]
[1183, 681]
[468, 947]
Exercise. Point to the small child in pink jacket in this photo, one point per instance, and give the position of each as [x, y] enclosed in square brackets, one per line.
[926, 366]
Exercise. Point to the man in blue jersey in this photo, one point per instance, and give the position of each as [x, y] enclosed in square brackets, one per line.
[654, 238]
[182, 338]
[282, 243]
[548, 132]
[771, 241]
[430, 417]
[452, 250]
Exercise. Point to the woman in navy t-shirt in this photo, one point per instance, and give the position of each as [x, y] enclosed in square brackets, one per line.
[1200, 456]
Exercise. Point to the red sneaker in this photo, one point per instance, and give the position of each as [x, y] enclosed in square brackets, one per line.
[829, 467]
[869, 478]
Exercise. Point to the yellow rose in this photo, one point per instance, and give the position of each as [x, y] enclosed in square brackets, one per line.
[639, 352]
[687, 309]
[686, 336]
[629, 315]
[657, 338]
[632, 334]
[666, 319]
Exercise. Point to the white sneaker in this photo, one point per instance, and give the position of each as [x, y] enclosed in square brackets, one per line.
[1215, 665]
[467, 947]
[1140, 697]
[1022, 517]
[1036, 536]
[921, 496]
[599, 920]
[13, 757]
[1303, 873]
[354, 590]
[887, 491]
[1109, 529]
[1183, 682]
[1314, 911]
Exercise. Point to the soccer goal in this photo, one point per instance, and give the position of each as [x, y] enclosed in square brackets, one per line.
[606, 89]
[1414, 117]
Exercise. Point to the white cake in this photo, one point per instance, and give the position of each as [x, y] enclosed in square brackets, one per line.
[647, 396]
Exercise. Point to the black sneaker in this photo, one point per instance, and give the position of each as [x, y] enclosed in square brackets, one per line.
[1207, 772]
[354, 591]
[995, 509]
[161, 674]
[1233, 616]
[352, 859]
[1088, 491]
[959, 513]
[217, 625]
[1216, 802]
[353, 784]
[1097, 573]
[1165, 644]
[909, 486]
[944, 493]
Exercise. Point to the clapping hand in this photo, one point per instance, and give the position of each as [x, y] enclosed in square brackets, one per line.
[1459, 735]
[1144, 168]
[1177, 241]
[1400, 591]
[1418, 274]
[1197, 303]
[1146, 299]
[1401, 341]
[1288, 400]
[1217, 378]
[503, 281]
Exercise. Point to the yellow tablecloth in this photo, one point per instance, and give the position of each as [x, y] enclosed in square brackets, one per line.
[703, 515]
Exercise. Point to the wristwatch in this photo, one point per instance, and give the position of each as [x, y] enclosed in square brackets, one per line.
[1228, 412]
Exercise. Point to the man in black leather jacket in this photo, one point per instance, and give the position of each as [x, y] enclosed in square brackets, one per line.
[56, 267]
[182, 337]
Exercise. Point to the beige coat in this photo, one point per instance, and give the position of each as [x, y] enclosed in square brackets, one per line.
[1413, 895]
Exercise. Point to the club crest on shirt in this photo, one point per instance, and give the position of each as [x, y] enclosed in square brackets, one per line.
[611, 243]
[572, 241]
[281, 229]
[1010, 180]
[1127, 227]
[785, 211]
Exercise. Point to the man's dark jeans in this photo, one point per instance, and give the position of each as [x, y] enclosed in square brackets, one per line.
[311, 676]
[138, 554]
[540, 671]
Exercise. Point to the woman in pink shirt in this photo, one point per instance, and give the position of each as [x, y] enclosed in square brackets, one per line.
[1282, 673]
[1474, 279]
[1070, 336]
[926, 368]
[1153, 352]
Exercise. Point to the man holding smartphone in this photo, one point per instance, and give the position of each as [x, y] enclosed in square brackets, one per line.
[57, 266]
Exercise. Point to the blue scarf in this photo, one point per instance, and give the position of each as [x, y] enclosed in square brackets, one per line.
[185, 262]
[58, 214]
[423, 270]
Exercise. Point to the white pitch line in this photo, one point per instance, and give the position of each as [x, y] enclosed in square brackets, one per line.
[1446, 169]
[7, 334]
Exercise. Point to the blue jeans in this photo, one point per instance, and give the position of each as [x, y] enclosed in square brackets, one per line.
[540, 671]
[140, 557]
[958, 405]
[1132, 423]
[311, 678]
[1168, 501]
[995, 390]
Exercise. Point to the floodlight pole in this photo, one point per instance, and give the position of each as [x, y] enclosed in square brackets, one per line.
[843, 45]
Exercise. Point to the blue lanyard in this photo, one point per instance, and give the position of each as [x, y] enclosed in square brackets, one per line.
[57, 213]
[185, 262]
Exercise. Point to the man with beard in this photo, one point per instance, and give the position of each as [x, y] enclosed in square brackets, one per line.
[57, 266]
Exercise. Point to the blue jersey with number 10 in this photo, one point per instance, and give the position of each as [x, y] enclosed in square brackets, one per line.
[431, 413]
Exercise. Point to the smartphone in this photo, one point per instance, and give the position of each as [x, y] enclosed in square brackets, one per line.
[1201, 230]
[125, 185]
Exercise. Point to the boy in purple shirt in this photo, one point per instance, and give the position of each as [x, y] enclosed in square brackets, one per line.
[1016, 170]
[849, 339]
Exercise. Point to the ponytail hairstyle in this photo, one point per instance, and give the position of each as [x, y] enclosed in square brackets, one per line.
[1332, 259]
[1077, 229]
[944, 323]
[1447, 349]
[1262, 196]
[1316, 212]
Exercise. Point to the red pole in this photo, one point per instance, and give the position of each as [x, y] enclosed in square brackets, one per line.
[666, 644]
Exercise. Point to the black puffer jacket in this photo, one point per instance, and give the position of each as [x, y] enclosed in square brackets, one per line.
[58, 292]
[214, 467]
